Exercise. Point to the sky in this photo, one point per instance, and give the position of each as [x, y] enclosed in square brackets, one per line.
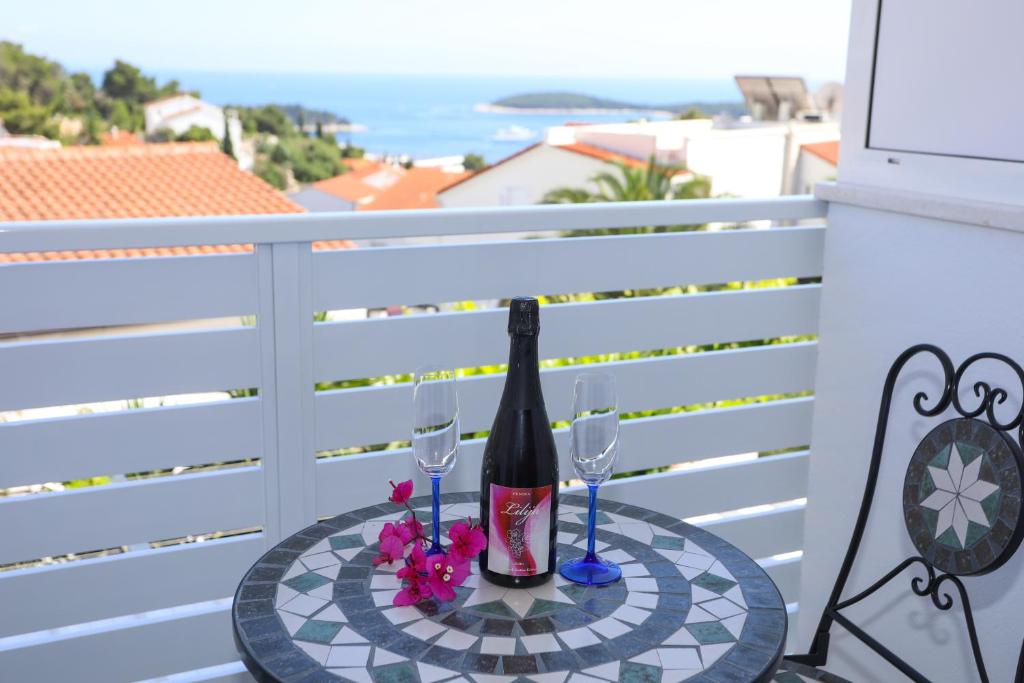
[642, 38]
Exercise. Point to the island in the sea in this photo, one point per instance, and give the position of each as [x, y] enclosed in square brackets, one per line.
[578, 103]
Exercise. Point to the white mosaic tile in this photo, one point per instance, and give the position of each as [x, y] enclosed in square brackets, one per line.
[292, 622]
[382, 598]
[432, 674]
[618, 555]
[583, 678]
[384, 582]
[631, 614]
[634, 569]
[696, 615]
[690, 572]
[303, 605]
[319, 547]
[692, 547]
[681, 637]
[549, 591]
[456, 640]
[330, 572]
[543, 642]
[358, 675]
[718, 569]
[520, 601]
[331, 613]
[320, 560]
[315, 650]
[638, 531]
[698, 594]
[347, 636]
[650, 657]
[382, 657]
[710, 654]
[493, 645]
[735, 624]
[670, 555]
[566, 537]
[678, 675]
[424, 629]
[295, 570]
[694, 560]
[554, 677]
[648, 600]
[736, 595]
[679, 658]
[324, 592]
[348, 553]
[598, 544]
[284, 594]
[609, 671]
[642, 585]
[578, 637]
[348, 655]
[609, 627]
[400, 615]
[722, 608]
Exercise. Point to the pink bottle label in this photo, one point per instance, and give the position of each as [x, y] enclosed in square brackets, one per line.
[520, 530]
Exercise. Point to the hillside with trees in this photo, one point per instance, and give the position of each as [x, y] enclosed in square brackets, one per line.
[571, 101]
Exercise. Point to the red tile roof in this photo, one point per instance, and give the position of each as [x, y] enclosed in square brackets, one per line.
[828, 151]
[132, 181]
[417, 188]
[120, 137]
[377, 186]
[137, 181]
[575, 147]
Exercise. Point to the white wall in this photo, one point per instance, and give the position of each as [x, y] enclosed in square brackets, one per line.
[811, 170]
[743, 163]
[892, 280]
[525, 179]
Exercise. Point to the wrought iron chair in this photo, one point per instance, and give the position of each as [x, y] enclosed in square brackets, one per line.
[962, 505]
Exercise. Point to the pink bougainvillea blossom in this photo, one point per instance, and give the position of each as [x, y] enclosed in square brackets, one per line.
[444, 573]
[402, 492]
[468, 540]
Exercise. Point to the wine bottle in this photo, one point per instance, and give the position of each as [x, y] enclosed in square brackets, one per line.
[519, 474]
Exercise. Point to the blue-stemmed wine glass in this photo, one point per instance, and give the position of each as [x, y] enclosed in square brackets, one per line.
[593, 449]
[435, 434]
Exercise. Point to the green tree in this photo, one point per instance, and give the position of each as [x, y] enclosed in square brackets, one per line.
[350, 151]
[126, 82]
[690, 114]
[319, 129]
[123, 116]
[270, 172]
[473, 162]
[20, 116]
[196, 134]
[226, 145]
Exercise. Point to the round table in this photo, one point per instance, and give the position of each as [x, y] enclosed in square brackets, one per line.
[690, 607]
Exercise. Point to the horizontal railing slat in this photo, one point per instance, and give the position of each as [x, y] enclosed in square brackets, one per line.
[55, 295]
[137, 581]
[69, 371]
[379, 414]
[763, 534]
[369, 348]
[153, 232]
[125, 513]
[689, 493]
[144, 649]
[129, 441]
[352, 278]
[353, 481]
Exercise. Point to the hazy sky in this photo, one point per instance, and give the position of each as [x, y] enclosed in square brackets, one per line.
[653, 38]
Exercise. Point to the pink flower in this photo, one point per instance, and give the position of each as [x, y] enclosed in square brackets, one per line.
[412, 528]
[415, 564]
[391, 549]
[415, 590]
[443, 574]
[468, 541]
[402, 492]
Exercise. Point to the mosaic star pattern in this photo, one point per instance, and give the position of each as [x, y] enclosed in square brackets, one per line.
[689, 608]
[962, 497]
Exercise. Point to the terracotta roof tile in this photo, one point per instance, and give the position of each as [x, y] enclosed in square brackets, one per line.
[417, 188]
[133, 181]
[828, 151]
[603, 154]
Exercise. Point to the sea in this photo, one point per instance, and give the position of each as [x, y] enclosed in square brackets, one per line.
[436, 116]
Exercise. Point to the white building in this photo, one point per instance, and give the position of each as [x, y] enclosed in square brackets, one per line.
[742, 158]
[180, 112]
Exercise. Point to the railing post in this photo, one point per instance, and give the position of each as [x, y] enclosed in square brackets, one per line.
[285, 324]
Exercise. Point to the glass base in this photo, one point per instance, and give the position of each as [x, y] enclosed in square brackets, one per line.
[596, 572]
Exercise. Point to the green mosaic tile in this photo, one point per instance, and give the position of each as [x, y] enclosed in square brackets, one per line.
[631, 672]
[317, 631]
[540, 606]
[496, 607]
[710, 633]
[346, 542]
[402, 672]
[667, 543]
[600, 518]
[715, 584]
[306, 582]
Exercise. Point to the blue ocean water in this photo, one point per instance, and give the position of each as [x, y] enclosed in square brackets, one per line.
[429, 116]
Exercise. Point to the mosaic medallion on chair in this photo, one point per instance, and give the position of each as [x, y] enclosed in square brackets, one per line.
[962, 497]
[677, 611]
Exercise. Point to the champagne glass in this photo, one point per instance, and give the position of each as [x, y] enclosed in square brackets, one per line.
[593, 449]
[435, 434]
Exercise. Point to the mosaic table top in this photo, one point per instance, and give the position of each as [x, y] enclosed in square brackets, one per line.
[690, 607]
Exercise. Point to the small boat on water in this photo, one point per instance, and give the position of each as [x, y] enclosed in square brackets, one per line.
[513, 133]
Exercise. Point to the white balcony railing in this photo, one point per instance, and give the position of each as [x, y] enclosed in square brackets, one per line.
[146, 608]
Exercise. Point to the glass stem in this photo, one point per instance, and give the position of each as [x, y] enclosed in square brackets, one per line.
[435, 527]
[591, 523]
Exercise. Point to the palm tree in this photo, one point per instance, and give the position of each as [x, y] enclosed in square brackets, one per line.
[651, 182]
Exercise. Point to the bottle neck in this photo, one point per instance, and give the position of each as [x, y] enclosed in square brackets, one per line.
[522, 384]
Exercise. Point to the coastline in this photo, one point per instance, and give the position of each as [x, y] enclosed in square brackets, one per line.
[487, 108]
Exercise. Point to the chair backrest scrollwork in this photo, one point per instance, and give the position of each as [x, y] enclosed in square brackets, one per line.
[962, 502]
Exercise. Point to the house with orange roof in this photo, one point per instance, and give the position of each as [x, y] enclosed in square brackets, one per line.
[818, 162]
[372, 185]
[180, 112]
